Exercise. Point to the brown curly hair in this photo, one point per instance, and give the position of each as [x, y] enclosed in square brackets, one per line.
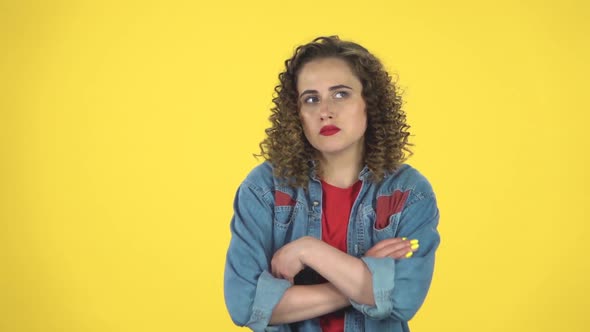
[386, 136]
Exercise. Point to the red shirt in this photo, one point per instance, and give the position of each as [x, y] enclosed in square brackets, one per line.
[337, 203]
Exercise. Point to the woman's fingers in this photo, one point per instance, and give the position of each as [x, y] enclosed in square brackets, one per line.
[387, 242]
[383, 245]
[396, 248]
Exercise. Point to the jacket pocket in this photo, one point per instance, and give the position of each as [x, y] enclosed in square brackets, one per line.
[389, 231]
[278, 328]
[284, 215]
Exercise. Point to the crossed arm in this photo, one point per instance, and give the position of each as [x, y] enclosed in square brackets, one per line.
[256, 298]
[349, 278]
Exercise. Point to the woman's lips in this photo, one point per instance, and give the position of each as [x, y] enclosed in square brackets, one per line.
[329, 130]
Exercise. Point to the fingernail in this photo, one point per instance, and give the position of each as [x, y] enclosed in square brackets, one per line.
[414, 241]
[415, 246]
[408, 255]
[404, 238]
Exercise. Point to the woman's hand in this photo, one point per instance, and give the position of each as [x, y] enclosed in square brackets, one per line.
[396, 248]
[287, 261]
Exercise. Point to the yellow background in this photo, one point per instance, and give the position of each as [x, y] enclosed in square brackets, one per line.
[126, 127]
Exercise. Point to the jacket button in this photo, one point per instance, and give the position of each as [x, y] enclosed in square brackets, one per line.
[316, 203]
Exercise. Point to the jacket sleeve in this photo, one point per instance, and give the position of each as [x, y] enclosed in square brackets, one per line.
[400, 286]
[251, 292]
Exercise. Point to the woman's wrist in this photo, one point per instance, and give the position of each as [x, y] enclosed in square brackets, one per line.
[311, 246]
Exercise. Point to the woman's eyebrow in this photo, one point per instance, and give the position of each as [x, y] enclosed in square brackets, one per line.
[340, 86]
[308, 92]
[332, 88]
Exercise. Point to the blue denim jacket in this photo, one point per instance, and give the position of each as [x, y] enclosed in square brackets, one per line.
[269, 214]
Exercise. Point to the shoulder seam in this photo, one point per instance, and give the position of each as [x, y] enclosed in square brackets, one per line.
[259, 191]
[418, 196]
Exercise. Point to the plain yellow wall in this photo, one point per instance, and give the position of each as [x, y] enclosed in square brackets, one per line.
[126, 127]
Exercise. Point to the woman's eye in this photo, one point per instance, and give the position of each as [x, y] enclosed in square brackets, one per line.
[341, 94]
[311, 100]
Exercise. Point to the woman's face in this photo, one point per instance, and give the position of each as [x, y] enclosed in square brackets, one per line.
[332, 108]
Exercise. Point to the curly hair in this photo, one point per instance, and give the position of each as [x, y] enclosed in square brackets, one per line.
[386, 136]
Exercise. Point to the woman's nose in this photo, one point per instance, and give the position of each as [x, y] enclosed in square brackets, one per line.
[325, 111]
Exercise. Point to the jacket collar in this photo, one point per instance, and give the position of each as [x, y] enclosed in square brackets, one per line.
[363, 175]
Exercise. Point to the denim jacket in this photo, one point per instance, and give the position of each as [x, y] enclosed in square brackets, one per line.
[269, 214]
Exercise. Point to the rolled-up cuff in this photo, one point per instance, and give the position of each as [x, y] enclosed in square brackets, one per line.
[269, 292]
[383, 273]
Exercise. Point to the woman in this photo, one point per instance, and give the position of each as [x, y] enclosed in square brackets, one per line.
[333, 232]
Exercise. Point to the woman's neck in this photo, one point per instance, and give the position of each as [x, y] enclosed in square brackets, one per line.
[341, 170]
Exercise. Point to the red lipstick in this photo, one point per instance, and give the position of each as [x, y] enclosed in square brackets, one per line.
[329, 130]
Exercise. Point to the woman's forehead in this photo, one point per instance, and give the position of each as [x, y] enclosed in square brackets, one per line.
[326, 72]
